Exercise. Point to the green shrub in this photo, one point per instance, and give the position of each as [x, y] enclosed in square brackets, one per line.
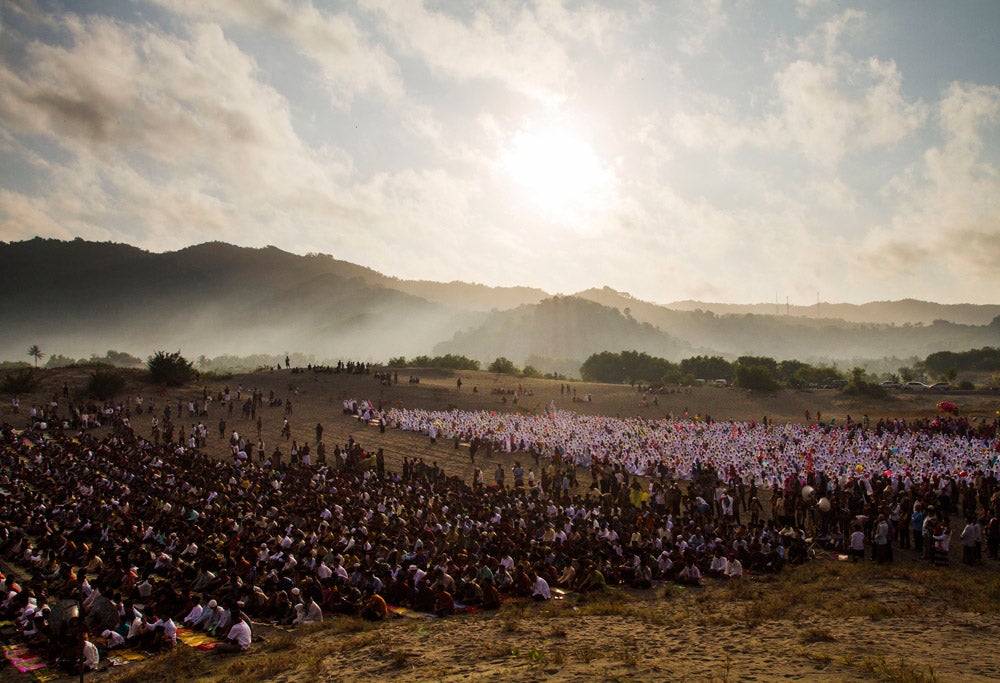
[171, 369]
[105, 383]
[23, 381]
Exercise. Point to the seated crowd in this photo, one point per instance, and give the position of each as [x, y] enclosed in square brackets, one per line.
[150, 536]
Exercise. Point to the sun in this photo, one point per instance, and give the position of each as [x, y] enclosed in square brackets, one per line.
[559, 173]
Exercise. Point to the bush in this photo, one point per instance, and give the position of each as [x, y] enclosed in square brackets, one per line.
[446, 362]
[627, 366]
[105, 383]
[530, 371]
[503, 366]
[758, 377]
[860, 386]
[171, 369]
[21, 382]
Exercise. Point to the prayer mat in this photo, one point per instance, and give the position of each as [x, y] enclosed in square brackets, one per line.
[132, 655]
[24, 659]
[126, 656]
[411, 613]
[47, 674]
[195, 639]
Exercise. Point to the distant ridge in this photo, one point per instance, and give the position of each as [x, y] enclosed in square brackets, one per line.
[879, 312]
[77, 298]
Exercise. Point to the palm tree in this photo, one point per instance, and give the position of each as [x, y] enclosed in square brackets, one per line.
[35, 352]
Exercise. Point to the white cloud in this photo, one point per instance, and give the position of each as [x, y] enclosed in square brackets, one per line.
[209, 153]
[840, 104]
[507, 45]
[948, 206]
[824, 110]
[211, 148]
[350, 62]
[701, 21]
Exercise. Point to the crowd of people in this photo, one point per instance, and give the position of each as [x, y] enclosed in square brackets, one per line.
[150, 535]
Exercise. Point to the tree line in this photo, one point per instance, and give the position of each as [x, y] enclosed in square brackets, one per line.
[750, 372]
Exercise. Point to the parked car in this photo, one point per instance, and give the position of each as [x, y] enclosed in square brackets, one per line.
[939, 386]
[917, 386]
[890, 385]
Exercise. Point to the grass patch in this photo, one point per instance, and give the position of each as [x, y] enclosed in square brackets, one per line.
[496, 650]
[588, 653]
[257, 668]
[557, 631]
[816, 635]
[609, 603]
[177, 666]
[398, 659]
[511, 626]
[820, 659]
[896, 671]
[338, 625]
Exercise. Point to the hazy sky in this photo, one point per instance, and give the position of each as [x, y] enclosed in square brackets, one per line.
[729, 151]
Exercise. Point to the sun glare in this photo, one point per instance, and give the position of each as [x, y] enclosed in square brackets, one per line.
[559, 173]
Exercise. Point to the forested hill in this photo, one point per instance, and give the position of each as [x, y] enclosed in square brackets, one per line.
[562, 327]
[802, 338]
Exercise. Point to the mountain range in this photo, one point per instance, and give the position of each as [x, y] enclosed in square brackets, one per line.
[76, 298]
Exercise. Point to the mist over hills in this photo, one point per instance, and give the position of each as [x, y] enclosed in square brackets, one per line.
[815, 339]
[568, 327]
[76, 298]
[878, 312]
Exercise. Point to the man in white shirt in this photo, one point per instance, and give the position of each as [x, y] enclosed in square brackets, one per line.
[307, 612]
[239, 636]
[539, 587]
[91, 657]
[194, 615]
[112, 639]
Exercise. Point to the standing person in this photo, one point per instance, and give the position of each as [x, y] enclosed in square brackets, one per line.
[942, 545]
[518, 471]
[917, 526]
[882, 550]
[971, 538]
[498, 477]
[319, 432]
[993, 538]
[857, 544]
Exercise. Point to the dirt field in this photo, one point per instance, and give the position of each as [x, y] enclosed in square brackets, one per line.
[830, 620]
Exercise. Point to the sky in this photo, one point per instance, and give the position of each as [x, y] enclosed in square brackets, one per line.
[742, 152]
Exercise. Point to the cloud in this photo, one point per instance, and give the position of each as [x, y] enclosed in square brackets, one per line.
[823, 109]
[701, 21]
[350, 62]
[508, 45]
[947, 211]
[209, 148]
[210, 153]
[839, 105]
